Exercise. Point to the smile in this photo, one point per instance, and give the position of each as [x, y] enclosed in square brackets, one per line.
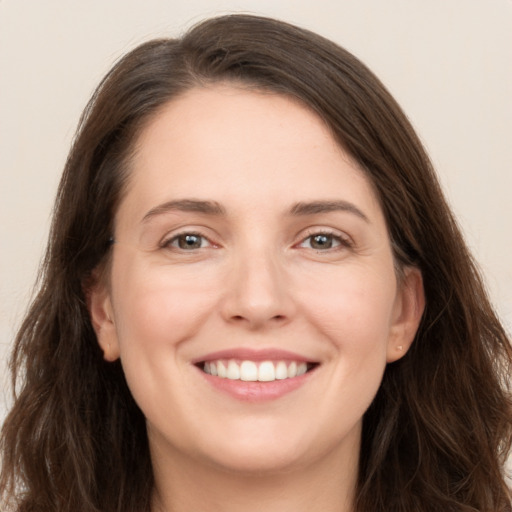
[254, 376]
[252, 371]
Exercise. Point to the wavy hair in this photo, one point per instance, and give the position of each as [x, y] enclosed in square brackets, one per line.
[438, 433]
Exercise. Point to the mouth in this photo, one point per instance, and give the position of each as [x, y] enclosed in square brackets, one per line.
[256, 375]
[256, 371]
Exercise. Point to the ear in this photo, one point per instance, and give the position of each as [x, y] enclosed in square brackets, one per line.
[102, 318]
[408, 310]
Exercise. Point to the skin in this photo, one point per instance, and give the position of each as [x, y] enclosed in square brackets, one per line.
[257, 281]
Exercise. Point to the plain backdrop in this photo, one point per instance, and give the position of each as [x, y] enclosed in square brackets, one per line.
[447, 62]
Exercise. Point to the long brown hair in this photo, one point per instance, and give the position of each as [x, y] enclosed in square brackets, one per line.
[438, 433]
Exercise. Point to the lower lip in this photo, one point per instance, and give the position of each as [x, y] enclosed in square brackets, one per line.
[256, 391]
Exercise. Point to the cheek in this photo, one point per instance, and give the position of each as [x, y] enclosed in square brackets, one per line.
[157, 312]
[154, 305]
[353, 307]
[353, 315]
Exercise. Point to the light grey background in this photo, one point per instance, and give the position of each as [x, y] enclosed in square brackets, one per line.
[448, 63]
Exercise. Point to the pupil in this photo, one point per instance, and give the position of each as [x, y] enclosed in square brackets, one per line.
[190, 242]
[322, 242]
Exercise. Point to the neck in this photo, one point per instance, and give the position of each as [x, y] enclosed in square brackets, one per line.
[323, 486]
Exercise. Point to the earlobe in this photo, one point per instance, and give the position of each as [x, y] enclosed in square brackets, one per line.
[409, 308]
[102, 319]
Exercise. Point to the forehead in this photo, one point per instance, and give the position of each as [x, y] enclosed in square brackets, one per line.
[237, 113]
[238, 143]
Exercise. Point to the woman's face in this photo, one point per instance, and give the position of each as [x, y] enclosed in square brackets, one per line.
[249, 245]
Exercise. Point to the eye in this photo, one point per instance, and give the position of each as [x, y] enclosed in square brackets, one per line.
[324, 241]
[187, 242]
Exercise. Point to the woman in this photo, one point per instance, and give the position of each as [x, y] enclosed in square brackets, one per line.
[255, 296]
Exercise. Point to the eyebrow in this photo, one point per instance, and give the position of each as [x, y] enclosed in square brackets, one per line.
[186, 205]
[213, 208]
[316, 207]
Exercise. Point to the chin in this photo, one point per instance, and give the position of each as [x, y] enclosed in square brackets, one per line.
[261, 450]
[258, 461]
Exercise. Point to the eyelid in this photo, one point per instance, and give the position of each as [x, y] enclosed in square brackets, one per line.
[166, 241]
[345, 241]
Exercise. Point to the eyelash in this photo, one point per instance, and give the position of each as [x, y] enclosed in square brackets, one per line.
[167, 243]
[342, 242]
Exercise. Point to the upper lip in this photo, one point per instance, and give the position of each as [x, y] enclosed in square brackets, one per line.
[248, 354]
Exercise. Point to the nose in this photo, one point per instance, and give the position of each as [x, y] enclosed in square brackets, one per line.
[258, 293]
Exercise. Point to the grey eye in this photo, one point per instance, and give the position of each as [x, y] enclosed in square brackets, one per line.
[189, 241]
[321, 242]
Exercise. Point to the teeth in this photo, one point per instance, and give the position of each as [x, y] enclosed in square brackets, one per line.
[301, 369]
[266, 372]
[281, 371]
[233, 371]
[221, 370]
[250, 371]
